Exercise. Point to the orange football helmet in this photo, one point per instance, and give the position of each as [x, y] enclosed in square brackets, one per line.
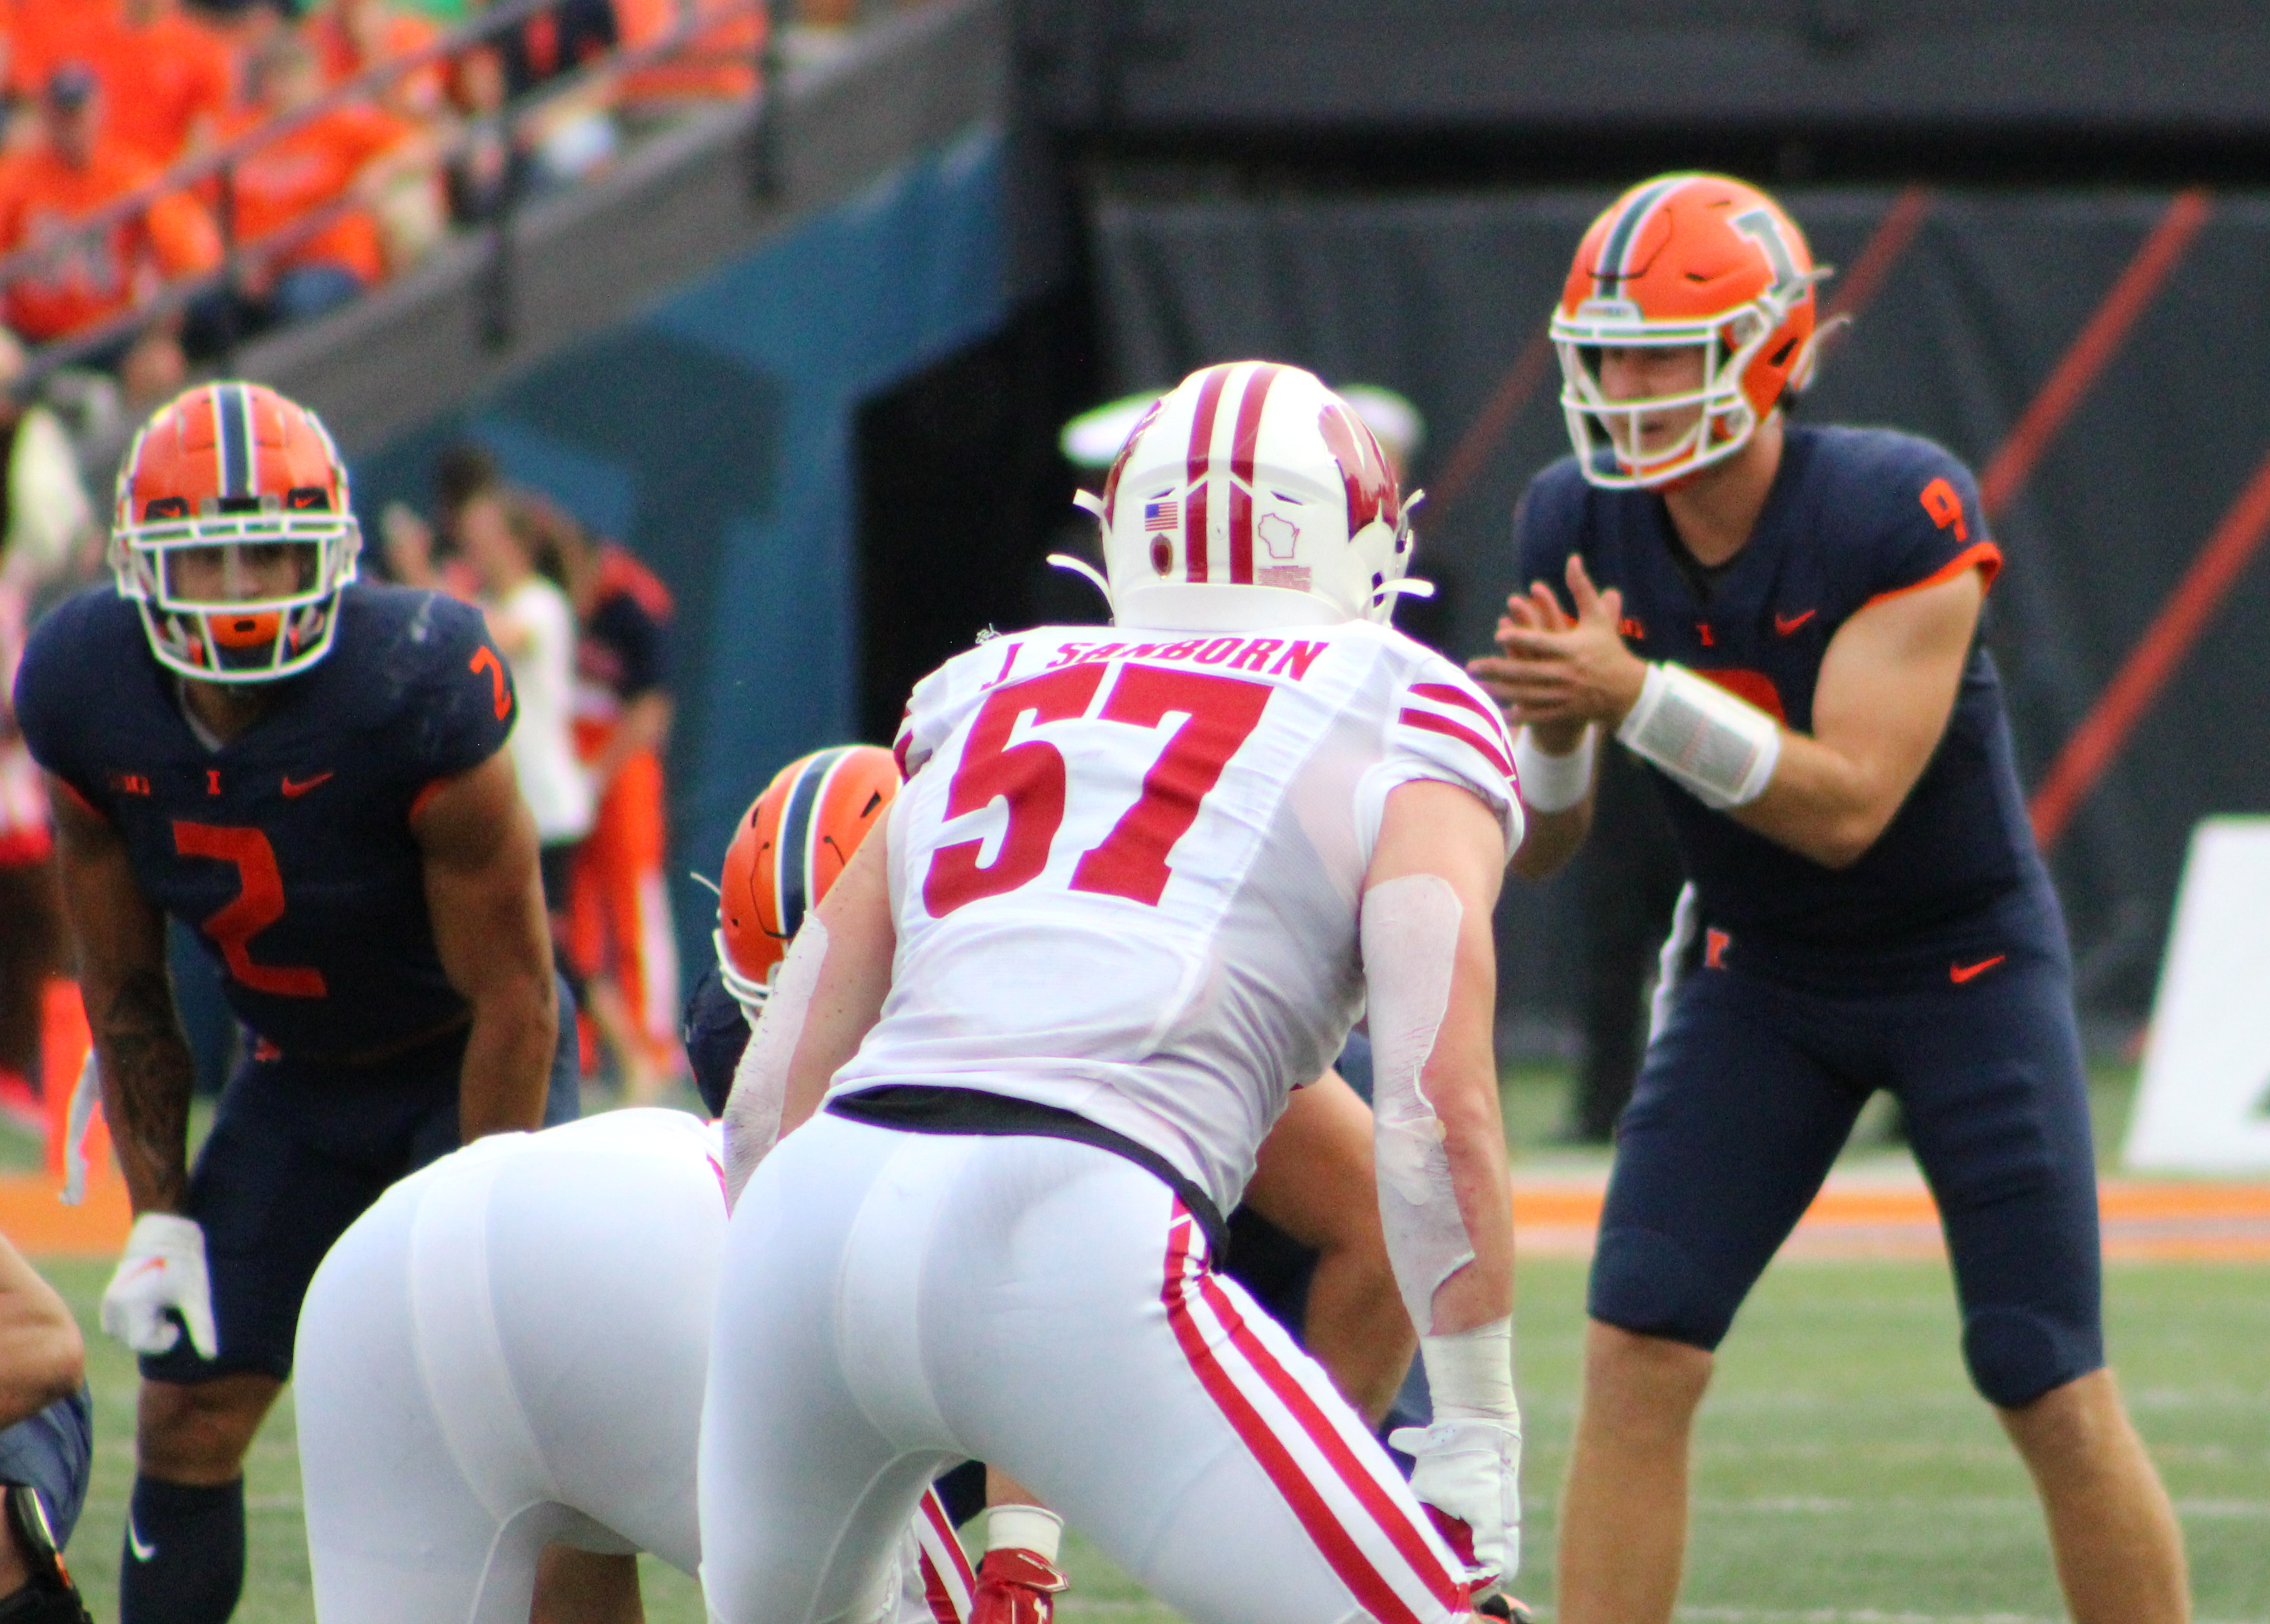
[1684, 260]
[233, 535]
[791, 843]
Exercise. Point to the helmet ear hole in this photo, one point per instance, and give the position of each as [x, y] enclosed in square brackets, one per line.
[1163, 555]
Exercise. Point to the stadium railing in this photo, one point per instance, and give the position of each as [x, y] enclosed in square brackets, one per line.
[696, 19]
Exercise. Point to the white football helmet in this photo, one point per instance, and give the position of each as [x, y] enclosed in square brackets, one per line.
[1251, 495]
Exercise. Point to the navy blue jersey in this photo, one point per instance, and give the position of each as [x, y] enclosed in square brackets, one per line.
[1854, 515]
[288, 850]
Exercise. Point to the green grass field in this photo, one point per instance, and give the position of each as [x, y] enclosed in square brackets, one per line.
[1845, 1471]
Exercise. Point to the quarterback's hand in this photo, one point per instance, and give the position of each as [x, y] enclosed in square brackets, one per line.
[164, 1268]
[1468, 1475]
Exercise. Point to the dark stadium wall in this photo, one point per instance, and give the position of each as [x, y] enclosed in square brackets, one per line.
[714, 433]
[1443, 297]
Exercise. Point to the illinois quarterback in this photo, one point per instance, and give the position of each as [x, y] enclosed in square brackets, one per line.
[1781, 620]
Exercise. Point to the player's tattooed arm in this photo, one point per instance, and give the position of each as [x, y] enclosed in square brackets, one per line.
[487, 903]
[147, 1071]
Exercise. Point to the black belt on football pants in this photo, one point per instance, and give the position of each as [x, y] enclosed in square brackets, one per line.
[930, 1107]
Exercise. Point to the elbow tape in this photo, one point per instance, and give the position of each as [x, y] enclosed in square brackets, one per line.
[1410, 938]
[1722, 748]
[752, 1110]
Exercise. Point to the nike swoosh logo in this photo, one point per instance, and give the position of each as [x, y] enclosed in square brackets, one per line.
[1960, 973]
[142, 1553]
[143, 1267]
[1786, 624]
[295, 791]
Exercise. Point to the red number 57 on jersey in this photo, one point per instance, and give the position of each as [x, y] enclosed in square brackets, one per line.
[1218, 715]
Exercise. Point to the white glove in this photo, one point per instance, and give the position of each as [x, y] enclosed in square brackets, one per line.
[1468, 1474]
[164, 1268]
[1468, 1462]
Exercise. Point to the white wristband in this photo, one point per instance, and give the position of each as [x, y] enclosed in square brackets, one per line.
[1024, 1528]
[1469, 1376]
[1549, 782]
[1722, 748]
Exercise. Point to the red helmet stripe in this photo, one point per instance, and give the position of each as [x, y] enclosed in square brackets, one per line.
[1241, 468]
[1197, 462]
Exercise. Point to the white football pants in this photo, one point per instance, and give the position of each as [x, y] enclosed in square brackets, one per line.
[893, 1303]
[509, 1350]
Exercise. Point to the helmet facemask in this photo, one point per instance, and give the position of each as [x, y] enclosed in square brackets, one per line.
[237, 598]
[1608, 433]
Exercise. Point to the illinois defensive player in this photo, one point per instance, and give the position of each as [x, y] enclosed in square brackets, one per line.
[307, 773]
[1782, 621]
[1312, 1179]
[1133, 892]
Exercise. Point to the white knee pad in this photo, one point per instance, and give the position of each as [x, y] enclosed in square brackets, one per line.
[1410, 939]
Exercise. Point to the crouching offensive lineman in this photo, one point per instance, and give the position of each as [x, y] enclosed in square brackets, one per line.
[307, 773]
[1134, 890]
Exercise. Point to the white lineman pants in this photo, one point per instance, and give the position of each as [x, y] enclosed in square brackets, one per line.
[509, 1350]
[893, 1303]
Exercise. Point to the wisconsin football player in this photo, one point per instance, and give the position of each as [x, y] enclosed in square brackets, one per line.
[1136, 886]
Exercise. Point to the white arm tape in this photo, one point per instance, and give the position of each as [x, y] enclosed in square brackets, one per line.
[1469, 1376]
[1552, 783]
[1721, 747]
[752, 1110]
[1410, 938]
[86, 1098]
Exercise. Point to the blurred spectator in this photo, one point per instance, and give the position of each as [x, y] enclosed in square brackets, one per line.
[487, 169]
[352, 153]
[719, 63]
[44, 533]
[67, 171]
[572, 135]
[167, 80]
[44, 35]
[534, 626]
[620, 937]
[354, 36]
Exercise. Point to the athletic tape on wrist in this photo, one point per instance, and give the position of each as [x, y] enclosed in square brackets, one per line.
[1722, 748]
[1024, 1528]
[1549, 782]
[1410, 940]
[1470, 1374]
[752, 1110]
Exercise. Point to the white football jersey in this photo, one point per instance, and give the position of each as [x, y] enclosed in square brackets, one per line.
[1125, 874]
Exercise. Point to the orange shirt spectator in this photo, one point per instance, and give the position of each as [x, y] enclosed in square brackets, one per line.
[309, 168]
[719, 63]
[352, 36]
[45, 35]
[68, 172]
[167, 81]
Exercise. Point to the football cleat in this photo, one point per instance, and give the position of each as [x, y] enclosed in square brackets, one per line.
[1015, 1587]
[233, 534]
[1684, 261]
[48, 1597]
[1504, 1608]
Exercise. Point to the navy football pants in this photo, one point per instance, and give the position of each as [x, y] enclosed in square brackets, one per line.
[1749, 1093]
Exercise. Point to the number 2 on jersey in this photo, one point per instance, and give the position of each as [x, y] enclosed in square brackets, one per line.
[1218, 715]
[258, 903]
